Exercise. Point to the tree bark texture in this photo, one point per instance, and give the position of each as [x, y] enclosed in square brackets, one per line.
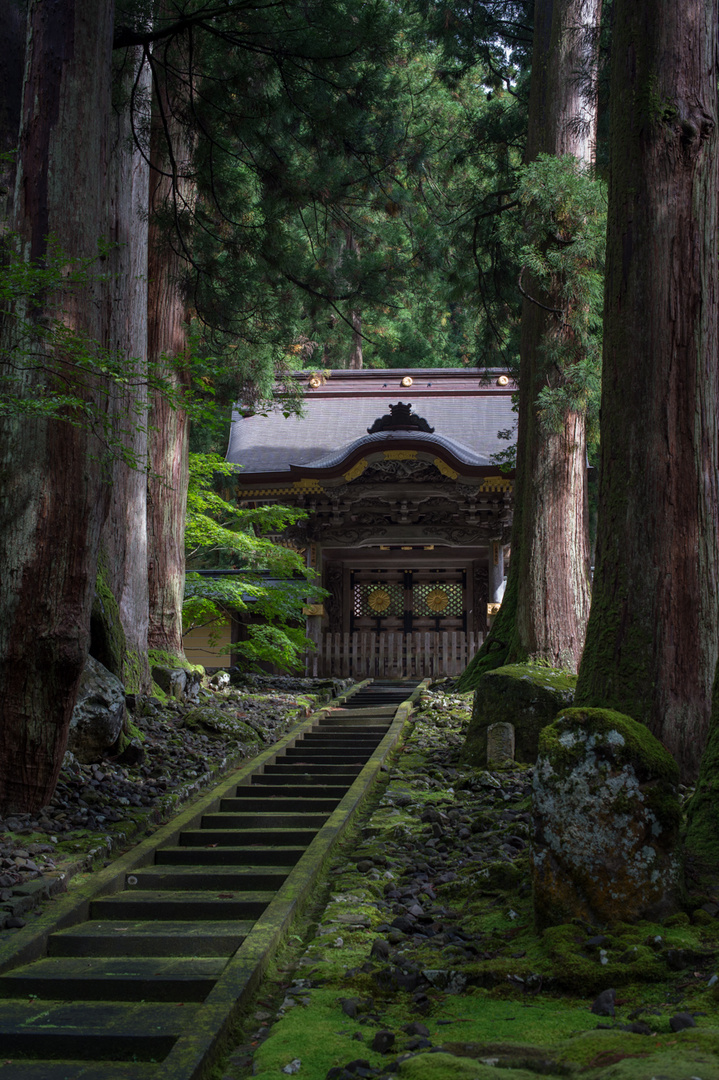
[652, 640]
[12, 33]
[53, 489]
[553, 560]
[168, 338]
[546, 604]
[124, 537]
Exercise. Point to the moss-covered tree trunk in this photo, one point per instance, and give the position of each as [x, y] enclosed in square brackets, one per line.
[171, 197]
[651, 648]
[53, 486]
[546, 603]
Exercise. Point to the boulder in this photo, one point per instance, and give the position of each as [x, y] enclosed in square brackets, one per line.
[528, 696]
[99, 713]
[178, 683]
[606, 821]
[222, 722]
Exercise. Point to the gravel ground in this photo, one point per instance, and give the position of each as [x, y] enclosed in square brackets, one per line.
[100, 809]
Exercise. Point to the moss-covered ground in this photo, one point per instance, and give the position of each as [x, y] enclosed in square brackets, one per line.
[423, 930]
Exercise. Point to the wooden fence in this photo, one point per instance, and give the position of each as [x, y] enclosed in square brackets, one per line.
[365, 655]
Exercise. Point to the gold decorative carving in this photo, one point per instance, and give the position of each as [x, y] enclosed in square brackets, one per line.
[496, 483]
[356, 470]
[445, 469]
[308, 483]
[313, 609]
[437, 600]
[502, 381]
[492, 609]
[379, 600]
[400, 455]
[407, 381]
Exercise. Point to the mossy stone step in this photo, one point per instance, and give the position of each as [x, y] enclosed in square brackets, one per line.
[131, 937]
[226, 855]
[184, 904]
[249, 820]
[240, 837]
[260, 800]
[200, 877]
[106, 1030]
[324, 793]
[339, 757]
[322, 775]
[113, 978]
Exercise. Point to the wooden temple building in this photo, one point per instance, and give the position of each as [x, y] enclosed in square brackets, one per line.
[408, 514]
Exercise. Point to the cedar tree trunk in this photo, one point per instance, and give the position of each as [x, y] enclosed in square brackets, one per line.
[171, 195]
[124, 537]
[53, 490]
[546, 602]
[651, 646]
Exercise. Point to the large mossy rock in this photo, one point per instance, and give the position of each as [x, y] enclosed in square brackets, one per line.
[528, 696]
[606, 821]
[223, 722]
[99, 713]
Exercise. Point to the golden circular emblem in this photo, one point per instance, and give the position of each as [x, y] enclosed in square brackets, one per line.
[502, 380]
[379, 600]
[315, 381]
[407, 381]
[437, 600]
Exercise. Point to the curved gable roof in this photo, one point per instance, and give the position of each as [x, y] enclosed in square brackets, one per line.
[467, 409]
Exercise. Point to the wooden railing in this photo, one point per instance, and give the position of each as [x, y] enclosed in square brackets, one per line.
[388, 655]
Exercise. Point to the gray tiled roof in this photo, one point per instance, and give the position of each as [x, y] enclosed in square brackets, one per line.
[462, 452]
[264, 444]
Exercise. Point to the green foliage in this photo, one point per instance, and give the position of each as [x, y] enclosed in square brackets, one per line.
[562, 256]
[274, 584]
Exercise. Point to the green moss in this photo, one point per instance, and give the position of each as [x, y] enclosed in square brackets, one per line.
[162, 658]
[628, 960]
[134, 672]
[107, 637]
[210, 719]
[701, 842]
[528, 696]
[649, 758]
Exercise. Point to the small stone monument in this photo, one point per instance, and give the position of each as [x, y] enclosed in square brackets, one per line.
[500, 743]
[606, 821]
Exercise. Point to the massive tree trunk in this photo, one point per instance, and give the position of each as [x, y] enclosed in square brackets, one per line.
[651, 646]
[12, 33]
[53, 486]
[171, 197]
[546, 603]
[124, 537]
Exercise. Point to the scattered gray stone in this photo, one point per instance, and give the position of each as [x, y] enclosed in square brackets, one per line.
[383, 1041]
[416, 1028]
[681, 1021]
[603, 1005]
[380, 949]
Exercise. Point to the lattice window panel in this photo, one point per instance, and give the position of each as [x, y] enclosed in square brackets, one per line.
[378, 600]
[438, 599]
